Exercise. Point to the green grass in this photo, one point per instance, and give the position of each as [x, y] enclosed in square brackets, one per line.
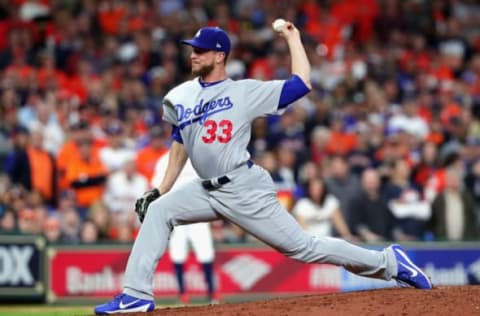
[42, 310]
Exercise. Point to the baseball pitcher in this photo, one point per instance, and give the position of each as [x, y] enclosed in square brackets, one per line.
[212, 117]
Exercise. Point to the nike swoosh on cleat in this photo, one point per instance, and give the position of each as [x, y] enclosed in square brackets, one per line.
[127, 305]
[414, 272]
[141, 308]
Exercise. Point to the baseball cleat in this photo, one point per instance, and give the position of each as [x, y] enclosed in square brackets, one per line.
[408, 273]
[125, 303]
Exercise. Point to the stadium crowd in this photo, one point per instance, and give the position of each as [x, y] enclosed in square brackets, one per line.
[385, 147]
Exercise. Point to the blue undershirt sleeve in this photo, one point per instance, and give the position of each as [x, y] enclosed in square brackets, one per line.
[293, 89]
[176, 135]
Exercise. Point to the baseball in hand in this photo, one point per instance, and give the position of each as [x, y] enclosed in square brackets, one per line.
[278, 25]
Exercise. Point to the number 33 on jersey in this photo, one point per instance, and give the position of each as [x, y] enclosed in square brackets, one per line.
[221, 131]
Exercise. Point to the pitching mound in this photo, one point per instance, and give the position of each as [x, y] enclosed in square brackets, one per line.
[451, 300]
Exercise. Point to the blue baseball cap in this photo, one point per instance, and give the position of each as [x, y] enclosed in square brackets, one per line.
[210, 38]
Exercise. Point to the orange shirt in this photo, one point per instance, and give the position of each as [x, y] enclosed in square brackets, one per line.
[146, 160]
[86, 173]
[41, 165]
[68, 153]
[341, 143]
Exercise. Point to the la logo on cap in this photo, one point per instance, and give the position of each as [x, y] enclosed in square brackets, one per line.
[198, 33]
[218, 45]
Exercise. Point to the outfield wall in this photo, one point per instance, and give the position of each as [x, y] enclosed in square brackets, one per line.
[30, 270]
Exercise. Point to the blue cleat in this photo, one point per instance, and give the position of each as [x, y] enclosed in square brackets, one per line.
[125, 303]
[408, 272]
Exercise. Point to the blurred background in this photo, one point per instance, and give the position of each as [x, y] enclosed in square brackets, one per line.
[385, 148]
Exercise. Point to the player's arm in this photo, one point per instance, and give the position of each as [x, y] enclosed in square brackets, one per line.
[300, 64]
[177, 159]
[299, 84]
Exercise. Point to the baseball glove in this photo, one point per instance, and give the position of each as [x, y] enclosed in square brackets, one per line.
[141, 205]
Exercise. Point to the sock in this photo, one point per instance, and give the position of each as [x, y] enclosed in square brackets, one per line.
[208, 272]
[179, 275]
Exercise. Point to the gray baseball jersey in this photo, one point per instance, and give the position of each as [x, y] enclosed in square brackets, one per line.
[214, 123]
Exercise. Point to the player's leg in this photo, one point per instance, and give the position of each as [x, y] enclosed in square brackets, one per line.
[277, 228]
[252, 204]
[178, 251]
[201, 239]
[185, 204]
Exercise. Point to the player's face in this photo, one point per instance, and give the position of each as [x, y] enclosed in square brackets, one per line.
[203, 61]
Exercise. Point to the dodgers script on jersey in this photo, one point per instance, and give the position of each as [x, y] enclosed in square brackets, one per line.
[208, 117]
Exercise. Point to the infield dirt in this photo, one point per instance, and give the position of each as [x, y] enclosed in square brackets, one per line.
[443, 300]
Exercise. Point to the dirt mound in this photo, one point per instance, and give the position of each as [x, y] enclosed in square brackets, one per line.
[445, 300]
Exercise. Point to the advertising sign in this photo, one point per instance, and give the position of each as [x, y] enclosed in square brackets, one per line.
[22, 271]
[98, 273]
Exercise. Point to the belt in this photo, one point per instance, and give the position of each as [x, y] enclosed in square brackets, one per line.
[216, 183]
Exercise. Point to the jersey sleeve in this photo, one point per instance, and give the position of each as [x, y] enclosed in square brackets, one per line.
[263, 96]
[169, 113]
[293, 89]
[176, 136]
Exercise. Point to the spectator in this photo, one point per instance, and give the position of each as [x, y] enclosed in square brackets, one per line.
[99, 215]
[427, 166]
[52, 230]
[319, 210]
[268, 161]
[287, 163]
[27, 222]
[122, 189]
[8, 222]
[409, 209]
[409, 120]
[307, 172]
[79, 134]
[436, 183]
[47, 122]
[15, 198]
[33, 167]
[124, 233]
[89, 233]
[116, 153]
[472, 183]
[66, 201]
[395, 146]
[453, 211]
[321, 116]
[319, 139]
[341, 141]
[148, 156]
[17, 174]
[71, 225]
[86, 175]
[371, 217]
[288, 132]
[343, 185]
[362, 156]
